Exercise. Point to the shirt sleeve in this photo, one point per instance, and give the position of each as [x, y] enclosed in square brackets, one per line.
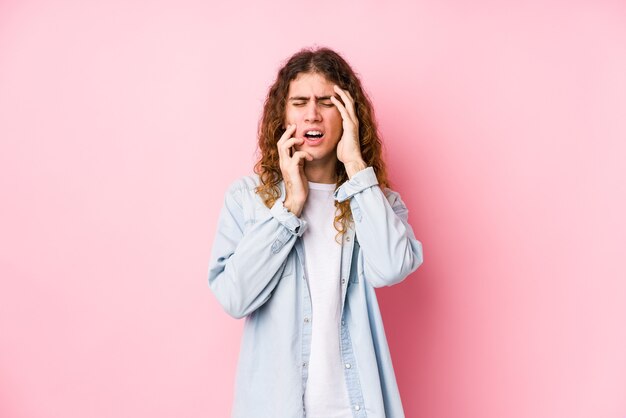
[389, 249]
[360, 181]
[295, 225]
[248, 255]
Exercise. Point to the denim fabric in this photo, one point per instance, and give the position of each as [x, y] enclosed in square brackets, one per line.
[257, 271]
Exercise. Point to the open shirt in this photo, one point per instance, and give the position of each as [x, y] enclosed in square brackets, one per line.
[257, 271]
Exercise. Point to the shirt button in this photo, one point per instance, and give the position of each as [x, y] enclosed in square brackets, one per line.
[357, 407]
[348, 365]
[348, 239]
[343, 281]
[306, 319]
[304, 364]
[343, 322]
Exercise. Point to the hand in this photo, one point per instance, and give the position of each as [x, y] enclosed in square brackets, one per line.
[292, 168]
[348, 148]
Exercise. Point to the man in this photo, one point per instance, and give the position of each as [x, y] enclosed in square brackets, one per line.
[301, 245]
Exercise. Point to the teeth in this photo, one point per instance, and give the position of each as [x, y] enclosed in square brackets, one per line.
[313, 133]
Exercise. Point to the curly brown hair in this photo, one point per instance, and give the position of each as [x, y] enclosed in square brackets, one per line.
[334, 68]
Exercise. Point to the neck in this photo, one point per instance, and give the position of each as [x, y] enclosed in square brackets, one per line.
[321, 171]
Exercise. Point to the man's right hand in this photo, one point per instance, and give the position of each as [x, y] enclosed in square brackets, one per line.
[292, 168]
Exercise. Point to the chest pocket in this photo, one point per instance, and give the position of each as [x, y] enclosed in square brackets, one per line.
[254, 209]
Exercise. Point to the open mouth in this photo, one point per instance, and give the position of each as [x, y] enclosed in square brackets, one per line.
[313, 134]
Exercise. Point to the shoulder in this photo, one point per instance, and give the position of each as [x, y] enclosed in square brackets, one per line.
[242, 191]
[244, 184]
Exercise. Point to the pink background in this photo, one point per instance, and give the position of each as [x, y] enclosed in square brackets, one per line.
[123, 122]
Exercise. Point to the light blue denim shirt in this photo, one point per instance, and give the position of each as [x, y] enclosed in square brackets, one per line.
[257, 271]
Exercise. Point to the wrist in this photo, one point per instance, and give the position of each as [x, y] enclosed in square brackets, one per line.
[353, 167]
[293, 207]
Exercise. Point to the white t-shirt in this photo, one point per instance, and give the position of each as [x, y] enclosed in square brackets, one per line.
[326, 395]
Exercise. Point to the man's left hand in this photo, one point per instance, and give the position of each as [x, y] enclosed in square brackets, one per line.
[348, 147]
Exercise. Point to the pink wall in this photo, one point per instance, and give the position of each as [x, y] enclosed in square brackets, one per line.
[122, 123]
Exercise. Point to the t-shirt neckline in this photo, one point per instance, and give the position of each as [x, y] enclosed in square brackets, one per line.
[322, 186]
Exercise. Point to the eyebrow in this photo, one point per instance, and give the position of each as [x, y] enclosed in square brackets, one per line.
[307, 98]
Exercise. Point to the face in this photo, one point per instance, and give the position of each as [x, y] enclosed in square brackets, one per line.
[317, 119]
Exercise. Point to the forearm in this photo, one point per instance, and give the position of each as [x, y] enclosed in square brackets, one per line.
[388, 246]
[244, 281]
[354, 167]
[247, 261]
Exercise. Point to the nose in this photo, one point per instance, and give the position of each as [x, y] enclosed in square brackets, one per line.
[312, 113]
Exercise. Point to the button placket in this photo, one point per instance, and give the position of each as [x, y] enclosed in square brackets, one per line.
[350, 369]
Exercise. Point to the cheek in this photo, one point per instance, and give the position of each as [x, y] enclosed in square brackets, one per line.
[292, 117]
[336, 120]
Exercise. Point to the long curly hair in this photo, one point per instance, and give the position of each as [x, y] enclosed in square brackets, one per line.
[334, 68]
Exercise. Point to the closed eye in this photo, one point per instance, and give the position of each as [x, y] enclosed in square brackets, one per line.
[326, 103]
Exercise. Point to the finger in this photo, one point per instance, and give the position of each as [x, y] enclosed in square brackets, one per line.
[301, 155]
[283, 151]
[288, 144]
[343, 92]
[346, 105]
[349, 102]
[288, 132]
[291, 142]
[342, 109]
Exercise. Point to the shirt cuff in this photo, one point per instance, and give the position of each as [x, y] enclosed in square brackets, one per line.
[362, 180]
[290, 221]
